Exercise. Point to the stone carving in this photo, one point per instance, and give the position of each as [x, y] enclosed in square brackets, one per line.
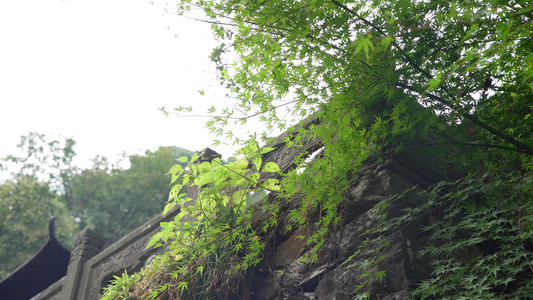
[283, 155]
[86, 245]
[130, 258]
[129, 254]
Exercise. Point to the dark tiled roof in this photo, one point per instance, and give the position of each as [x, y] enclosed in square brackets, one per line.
[43, 269]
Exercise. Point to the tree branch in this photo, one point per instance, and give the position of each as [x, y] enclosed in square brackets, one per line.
[464, 144]
[526, 149]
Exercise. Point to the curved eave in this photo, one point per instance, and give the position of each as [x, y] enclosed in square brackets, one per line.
[43, 269]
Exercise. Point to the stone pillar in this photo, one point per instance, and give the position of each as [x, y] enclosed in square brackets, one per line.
[86, 245]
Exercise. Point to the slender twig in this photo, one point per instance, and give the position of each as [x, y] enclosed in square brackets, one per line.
[238, 118]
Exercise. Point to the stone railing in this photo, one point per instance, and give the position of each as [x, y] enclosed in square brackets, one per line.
[91, 267]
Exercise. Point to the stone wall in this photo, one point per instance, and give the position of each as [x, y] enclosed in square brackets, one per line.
[283, 274]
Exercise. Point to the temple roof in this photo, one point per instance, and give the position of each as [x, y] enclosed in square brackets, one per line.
[43, 269]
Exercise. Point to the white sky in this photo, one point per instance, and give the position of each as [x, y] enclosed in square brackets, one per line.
[98, 70]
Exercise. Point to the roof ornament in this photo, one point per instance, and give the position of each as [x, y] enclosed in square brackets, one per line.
[51, 228]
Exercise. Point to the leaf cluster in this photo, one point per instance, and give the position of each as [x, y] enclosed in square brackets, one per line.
[481, 248]
[213, 239]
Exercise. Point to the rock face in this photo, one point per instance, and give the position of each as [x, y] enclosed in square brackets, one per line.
[283, 275]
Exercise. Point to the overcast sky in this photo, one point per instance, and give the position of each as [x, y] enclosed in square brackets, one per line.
[98, 70]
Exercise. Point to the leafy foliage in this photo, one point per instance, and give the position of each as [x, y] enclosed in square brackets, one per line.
[375, 73]
[380, 77]
[43, 158]
[482, 246]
